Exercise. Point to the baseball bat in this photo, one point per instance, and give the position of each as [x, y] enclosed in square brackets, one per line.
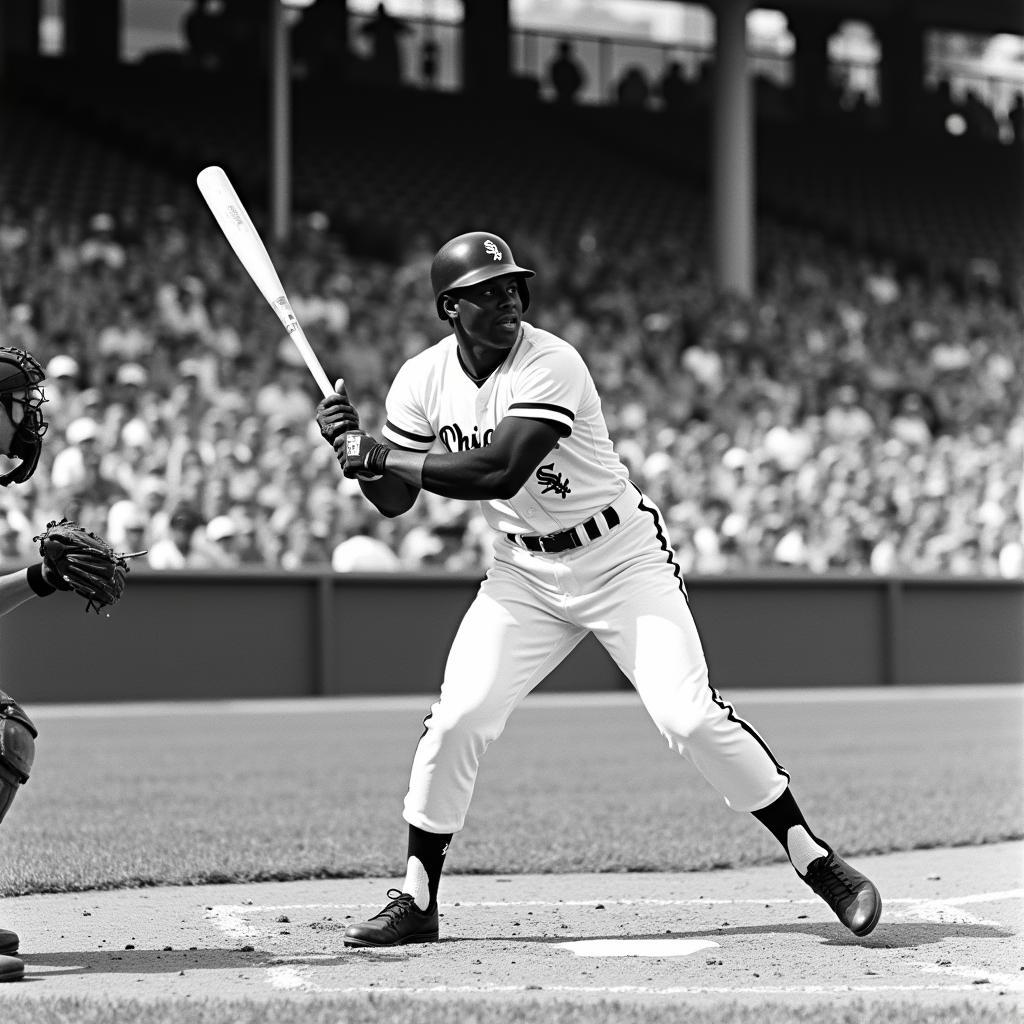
[241, 233]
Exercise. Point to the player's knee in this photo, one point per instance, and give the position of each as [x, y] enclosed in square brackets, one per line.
[17, 750]
[474, 724]
[681, 724]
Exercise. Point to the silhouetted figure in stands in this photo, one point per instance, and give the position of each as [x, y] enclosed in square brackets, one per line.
[674, 89]
[566, 75]
[200, 29]
[429, 64]
[319, 40]
[385, 65]
[633, 90]
[1016, 116]
[981, 121]
[937, 105]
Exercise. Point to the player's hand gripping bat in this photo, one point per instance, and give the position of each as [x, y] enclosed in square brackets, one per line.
[240, 231]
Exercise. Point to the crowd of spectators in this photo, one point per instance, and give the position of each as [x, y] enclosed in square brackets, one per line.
[854, 417]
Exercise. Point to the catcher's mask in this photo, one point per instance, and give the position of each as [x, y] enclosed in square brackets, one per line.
[469, 259]
[20, 372]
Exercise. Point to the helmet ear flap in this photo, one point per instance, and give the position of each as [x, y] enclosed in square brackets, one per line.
[524, 293]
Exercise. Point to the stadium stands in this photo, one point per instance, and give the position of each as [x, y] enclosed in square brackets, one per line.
[862, 414]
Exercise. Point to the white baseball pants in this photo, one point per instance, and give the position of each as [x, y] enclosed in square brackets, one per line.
[531, 611]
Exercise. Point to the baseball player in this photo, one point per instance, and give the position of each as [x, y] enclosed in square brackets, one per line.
[506, 414]
[21, 439]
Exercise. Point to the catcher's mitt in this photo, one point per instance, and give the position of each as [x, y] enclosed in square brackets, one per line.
[81, 561]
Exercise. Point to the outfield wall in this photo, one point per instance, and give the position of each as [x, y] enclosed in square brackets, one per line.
[189, 635]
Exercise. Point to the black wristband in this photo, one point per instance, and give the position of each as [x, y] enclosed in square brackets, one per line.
[37, 582]
[376, 458]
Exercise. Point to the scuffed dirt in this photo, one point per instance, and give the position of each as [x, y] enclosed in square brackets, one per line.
[950, 930]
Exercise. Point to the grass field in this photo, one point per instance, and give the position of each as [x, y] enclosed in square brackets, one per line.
[221, 793]
[160, 795]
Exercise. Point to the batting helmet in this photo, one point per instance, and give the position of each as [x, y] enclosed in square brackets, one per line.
[469, 259]
[21, 372]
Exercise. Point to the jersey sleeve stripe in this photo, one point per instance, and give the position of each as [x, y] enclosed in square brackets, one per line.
[541, 407]
[528, 412]
[407, 437]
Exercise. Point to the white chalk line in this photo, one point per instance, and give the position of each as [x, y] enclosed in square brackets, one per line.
[1012, 981]
[291, 978]
[231, 919]
[237, 921]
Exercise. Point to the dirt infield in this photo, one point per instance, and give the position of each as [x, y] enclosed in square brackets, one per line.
[951, 929]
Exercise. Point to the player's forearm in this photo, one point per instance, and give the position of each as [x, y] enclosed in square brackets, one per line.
[469, 476]
[15, 589]
[390, 495]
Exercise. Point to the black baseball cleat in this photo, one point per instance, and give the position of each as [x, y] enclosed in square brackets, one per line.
[12, 968]
[399, 923]
[8, 942]
[852, 897]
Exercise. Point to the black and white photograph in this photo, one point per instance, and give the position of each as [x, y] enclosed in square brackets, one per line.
[511, 511]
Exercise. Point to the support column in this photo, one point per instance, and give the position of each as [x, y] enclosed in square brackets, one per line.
[732, 171]
[486, 31]
[901, 70]
[92, 31]
[280, 122]
[19, 29]
[811, 88]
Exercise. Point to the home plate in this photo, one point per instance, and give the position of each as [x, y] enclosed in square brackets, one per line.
[637, 947]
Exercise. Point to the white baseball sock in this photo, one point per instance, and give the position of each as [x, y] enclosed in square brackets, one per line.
[802, 849]
[417, 884]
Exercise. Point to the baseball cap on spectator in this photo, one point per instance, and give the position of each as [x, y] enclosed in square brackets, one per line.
[735, 458]
[220, 527]
[85, 428]
[123, 515]
[62, 367]
[418, 544]
[657, 463]
[364, 554]
[135, 433]
[132, 373]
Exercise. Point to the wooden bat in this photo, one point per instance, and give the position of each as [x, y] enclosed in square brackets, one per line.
[240, 231]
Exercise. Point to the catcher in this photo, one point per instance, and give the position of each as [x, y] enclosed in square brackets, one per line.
[72, 559]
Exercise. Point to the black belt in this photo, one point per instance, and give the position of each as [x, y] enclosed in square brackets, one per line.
[565, 540]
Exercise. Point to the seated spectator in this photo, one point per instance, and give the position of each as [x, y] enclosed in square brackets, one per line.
[363, 553]
[178, 549]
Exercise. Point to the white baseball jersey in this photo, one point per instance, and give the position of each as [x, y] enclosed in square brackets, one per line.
[433, 404]
[620, 581]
